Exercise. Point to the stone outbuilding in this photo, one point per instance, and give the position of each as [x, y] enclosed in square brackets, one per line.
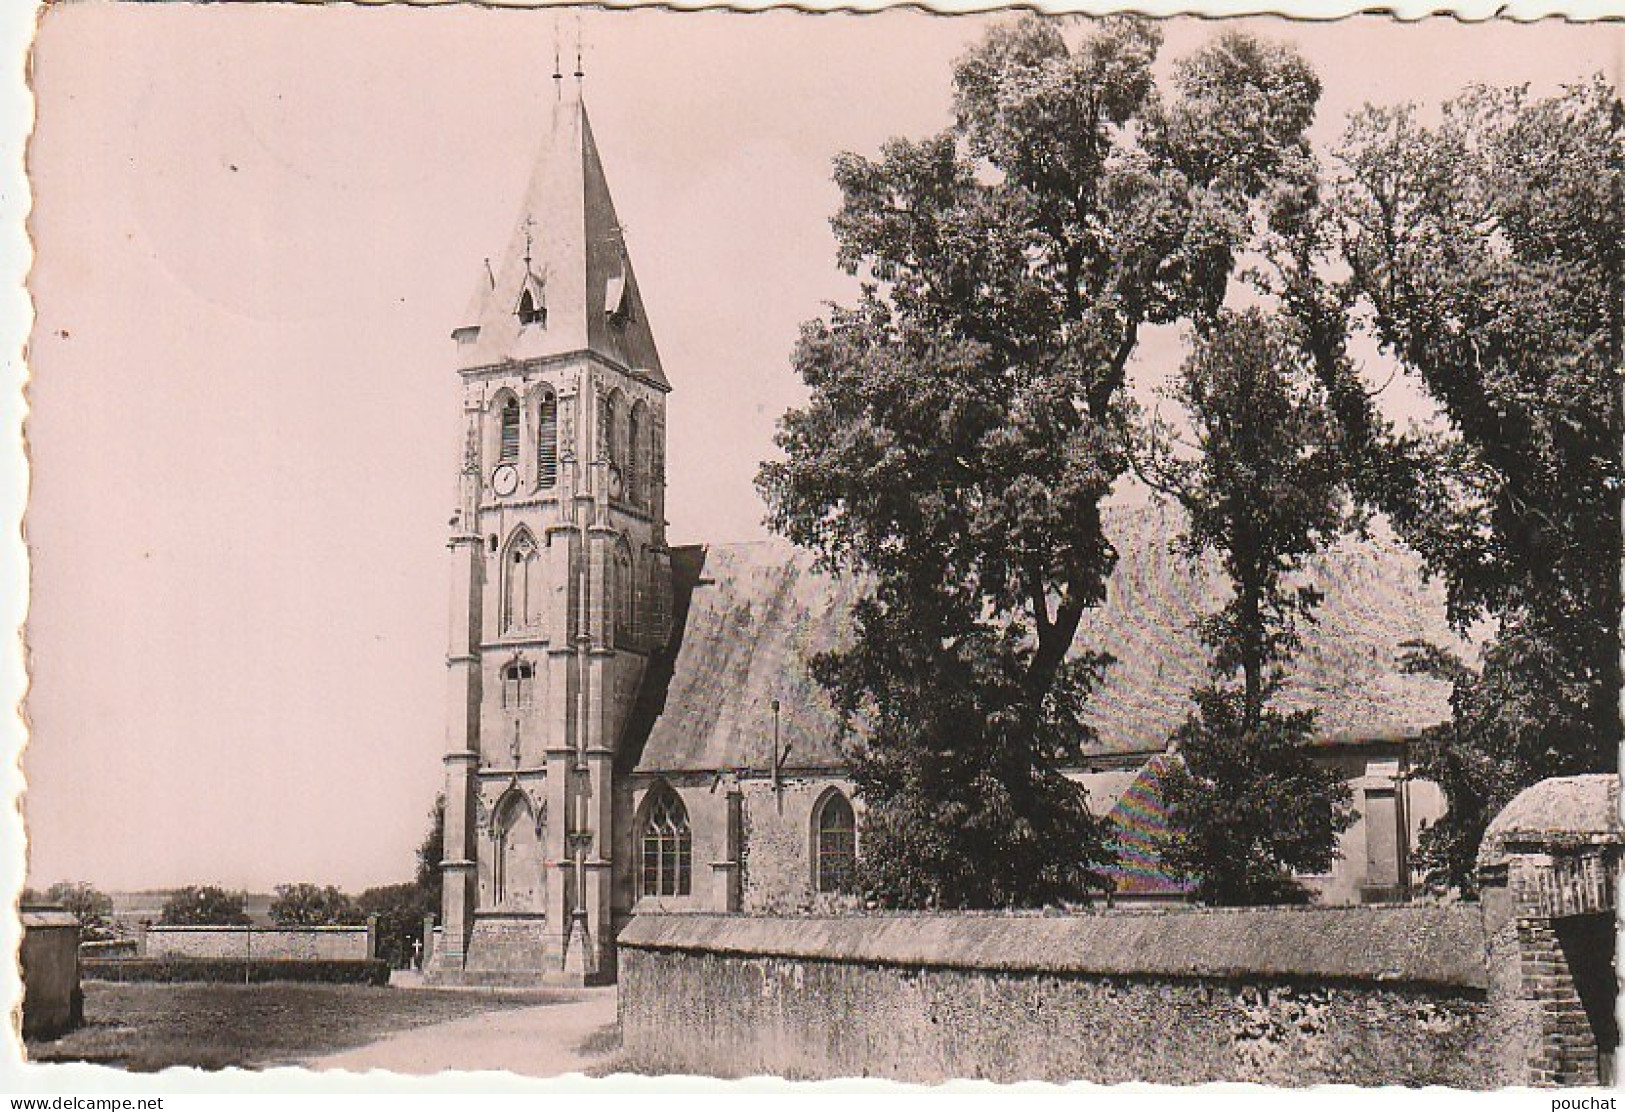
[49, 958]
[1548, 869]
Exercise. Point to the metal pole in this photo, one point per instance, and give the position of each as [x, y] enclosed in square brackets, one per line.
[775, 746]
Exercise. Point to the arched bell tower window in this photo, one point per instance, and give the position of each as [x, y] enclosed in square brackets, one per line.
[508, 444]
[835, 843]
[668, 846]
[634, 469]
[518, 678]
[547, 440]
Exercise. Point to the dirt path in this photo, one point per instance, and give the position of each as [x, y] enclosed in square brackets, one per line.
[544, 1041]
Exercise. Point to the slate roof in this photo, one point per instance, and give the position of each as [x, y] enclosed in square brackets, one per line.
[750, 617]
[567, 244]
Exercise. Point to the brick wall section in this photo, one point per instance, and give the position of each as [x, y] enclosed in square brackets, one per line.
[1567, 1054]
[1291, 997]
[267, 943]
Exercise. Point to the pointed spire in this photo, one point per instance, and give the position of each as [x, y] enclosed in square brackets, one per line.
[567, 257]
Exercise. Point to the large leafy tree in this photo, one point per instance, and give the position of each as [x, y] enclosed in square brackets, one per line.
[91, 906]
[431, 852]
[1487, 251]
[1262, 480]
[967, 419]
[204, 906]
[400, 909]
[313, 905]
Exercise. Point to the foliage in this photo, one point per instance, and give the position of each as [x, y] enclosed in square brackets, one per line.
[970, 772]
[400, 909]
[1488, 250]
[205, 906]
[1263, 487]
[333, 971]
[1250, 807]
[92, 907]
[432, 851]
[967, 419]
[312, 905]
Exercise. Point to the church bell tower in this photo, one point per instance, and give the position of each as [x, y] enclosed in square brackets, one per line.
[561, 577]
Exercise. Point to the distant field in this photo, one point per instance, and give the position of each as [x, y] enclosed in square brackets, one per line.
[146, 1027]
[130, 908]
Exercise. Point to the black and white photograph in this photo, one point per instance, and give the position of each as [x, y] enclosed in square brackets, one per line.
[912, 547]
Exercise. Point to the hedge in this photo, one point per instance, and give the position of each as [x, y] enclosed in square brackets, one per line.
[112, 948]
[367, 971]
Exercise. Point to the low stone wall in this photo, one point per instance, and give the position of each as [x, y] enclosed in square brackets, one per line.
[49, 963]
[259, 943]
[1367, 996]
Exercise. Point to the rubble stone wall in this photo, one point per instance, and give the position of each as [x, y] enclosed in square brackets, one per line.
[1367, 996]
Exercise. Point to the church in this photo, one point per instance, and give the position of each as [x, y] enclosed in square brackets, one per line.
[632, 726]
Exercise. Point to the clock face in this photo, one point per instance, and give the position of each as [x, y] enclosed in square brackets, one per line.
[505, 479]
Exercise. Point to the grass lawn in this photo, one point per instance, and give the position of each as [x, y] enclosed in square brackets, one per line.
[147, 1027]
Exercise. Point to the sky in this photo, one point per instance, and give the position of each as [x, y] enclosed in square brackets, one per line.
[255, 229]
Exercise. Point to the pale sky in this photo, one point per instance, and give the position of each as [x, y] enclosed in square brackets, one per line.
[256, 228]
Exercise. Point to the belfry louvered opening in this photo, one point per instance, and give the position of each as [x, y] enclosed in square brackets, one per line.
[508, 448]
[547, 441]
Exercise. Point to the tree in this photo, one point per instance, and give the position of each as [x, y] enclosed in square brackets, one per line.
[1488, 252]
[205, 906]
[432, 851]
[92, 907]
[311, 905]
[967, 420]
[1263, 487]
[402, 908]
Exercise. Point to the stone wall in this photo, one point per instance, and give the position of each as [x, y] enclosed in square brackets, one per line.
[259, 943]
[776, 870]
[752, 842]
[1364, 996]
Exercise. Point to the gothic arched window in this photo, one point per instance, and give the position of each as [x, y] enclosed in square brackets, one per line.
[547, 440]
[835, 844]
[521, 582]
[517, 878]
[668, 846]
[508, 444]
